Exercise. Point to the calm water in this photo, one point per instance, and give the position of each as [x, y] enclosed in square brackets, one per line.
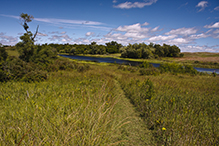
[120, 61]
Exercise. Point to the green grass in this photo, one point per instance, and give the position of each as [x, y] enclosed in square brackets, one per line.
[183, 111]
[70, 108]
[67, 109]
[94, 108]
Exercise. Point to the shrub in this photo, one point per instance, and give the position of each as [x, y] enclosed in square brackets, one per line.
[171, 67]
[189, 69]
[145, 64]
[149, 71]
[35, 76]
[82, 68]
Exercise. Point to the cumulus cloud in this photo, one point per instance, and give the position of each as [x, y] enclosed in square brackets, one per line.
[215, 25]
[90, 34]
[132, 28]
[178, 41]
[198, 48]
[145, 24]
[161, 38]
[182, 31]
[82, 41]
[7, 40]
[129, 5]
[202, 5]
[198, 36]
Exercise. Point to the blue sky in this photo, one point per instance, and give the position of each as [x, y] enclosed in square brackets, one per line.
[191, 25]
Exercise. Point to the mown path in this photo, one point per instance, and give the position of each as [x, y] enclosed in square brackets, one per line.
[135, 132]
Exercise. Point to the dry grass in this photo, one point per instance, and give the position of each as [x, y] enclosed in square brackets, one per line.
[202, 59]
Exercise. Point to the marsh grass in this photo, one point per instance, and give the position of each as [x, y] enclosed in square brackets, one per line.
[70, 108]
[89, 108]
[183, 111]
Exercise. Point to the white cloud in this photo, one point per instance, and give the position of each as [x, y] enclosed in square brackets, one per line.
[215, 25]
[41, 34]
[90, 34]
[183, 5]
[135, 35]
[202, 4]
[57, 32]
[216, 31]
[7, 40]
[67, 22]
[216, 8]
[132, 28]
[162, 38]
[155, 29]
[198, 36]
[82, 41]
[145, 24]
[198, 48]
[62, 38]
[182, 31]
[179, 41]
[12, 16]
[114, 1]
[129, 5]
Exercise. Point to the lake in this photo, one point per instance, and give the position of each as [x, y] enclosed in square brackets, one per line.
[133, 63]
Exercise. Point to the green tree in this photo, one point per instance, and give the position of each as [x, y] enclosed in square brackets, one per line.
[113, 47]
[26, 47]
[3, 54]
[25, 18]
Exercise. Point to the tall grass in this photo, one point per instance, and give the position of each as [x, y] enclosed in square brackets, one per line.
[69, 109]
[183, 111]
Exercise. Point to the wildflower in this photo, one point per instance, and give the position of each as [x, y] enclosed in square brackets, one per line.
[164, 129]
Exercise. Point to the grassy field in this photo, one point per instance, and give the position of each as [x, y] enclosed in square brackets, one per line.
[70, 108]
[110, 105]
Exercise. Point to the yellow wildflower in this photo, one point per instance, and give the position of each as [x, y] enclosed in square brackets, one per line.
[164, 129]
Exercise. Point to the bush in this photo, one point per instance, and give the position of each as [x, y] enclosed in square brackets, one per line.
[35, 76]
[189, 69]
[82, 68]
[145, 64]
[171, 67]
[17, 69]
[149, 71]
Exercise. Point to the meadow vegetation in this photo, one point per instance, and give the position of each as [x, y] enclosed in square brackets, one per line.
[50, 100]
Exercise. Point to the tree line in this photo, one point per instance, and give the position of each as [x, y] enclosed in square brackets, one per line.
[140, 50]
[93, 48]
